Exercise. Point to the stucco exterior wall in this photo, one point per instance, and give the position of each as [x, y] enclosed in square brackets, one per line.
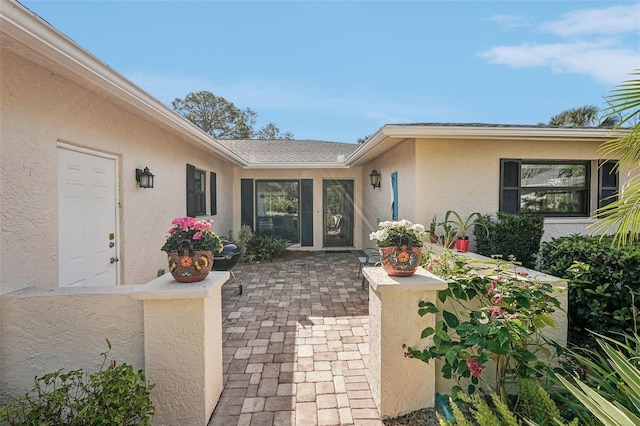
[41, 110]
[318, 175]
[377, 202]
[464, 175]
[45, 330]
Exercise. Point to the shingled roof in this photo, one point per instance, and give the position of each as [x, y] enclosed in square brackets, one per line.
[284, 151]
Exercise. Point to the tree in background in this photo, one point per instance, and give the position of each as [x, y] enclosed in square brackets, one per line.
[623, 215]
[585, 116]
[363, 139]
[222, 119]
[271, 131]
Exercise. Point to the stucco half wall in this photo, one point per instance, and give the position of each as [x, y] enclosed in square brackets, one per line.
[170, 330]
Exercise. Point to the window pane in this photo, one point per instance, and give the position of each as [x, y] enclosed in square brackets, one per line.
[199, 181]
[553, 175]
[277, 209]
[553, 202]
[510, 178]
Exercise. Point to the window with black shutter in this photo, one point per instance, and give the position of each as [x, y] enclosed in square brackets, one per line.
[550, 188]
[196, 191]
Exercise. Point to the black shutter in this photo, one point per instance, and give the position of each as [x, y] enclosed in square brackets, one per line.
[212, 193]
[509, 186]
[191, 195]
[306, 212]
[608, 183]
[246, 202]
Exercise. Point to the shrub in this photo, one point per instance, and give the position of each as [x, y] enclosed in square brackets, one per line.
[512, 234]
[602, 280]
[266, 247]
[116, 395]
[494, 312]
[245, 235]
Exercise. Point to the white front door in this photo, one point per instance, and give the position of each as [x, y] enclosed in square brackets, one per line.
[87, 219]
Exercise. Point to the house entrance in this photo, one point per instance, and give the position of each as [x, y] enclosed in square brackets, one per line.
[87, 243]
[338, 213]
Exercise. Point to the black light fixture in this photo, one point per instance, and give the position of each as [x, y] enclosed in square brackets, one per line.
[144, 178]
[374, 176]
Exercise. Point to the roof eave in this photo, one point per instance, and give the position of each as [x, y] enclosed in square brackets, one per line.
[394, 133]
[21, 24]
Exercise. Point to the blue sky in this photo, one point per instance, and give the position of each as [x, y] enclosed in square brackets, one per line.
[337, 71]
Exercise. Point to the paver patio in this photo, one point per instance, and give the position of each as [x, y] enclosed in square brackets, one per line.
[296, 345]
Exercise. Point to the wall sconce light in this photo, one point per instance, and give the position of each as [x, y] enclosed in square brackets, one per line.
[374, 176]
[144, 178]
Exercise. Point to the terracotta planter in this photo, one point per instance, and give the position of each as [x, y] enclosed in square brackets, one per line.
[462, 245]
[191, 265]
[400, 261]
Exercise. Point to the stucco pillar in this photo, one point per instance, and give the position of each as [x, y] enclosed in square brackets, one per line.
[183, 347]
[399, 385]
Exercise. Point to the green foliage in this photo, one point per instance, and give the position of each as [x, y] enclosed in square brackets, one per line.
[596, 369]
[615, 401]
[115, 395]
[455, 221]
[602, 280]
[495, 312]
[245, 235]
[512, 234]
[623, 215]
[533, 404]
[266, 247]
[255, 247]
[222, 119]
[585, 116]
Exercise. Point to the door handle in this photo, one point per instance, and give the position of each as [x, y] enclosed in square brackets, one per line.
[113, 260]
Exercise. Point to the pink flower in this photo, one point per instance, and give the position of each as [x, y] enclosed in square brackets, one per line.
[492, 287]
[197, 235]
[495, 310]
[523, 274]
[474, 366]
[172, 231]
[497, 300]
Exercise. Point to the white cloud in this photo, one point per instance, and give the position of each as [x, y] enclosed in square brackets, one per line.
[509, 21]
[593, 44]
[601, 61]
[294, 95]
[612, 20]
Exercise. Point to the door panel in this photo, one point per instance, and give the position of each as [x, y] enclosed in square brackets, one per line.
[338, 213]
[87, 219]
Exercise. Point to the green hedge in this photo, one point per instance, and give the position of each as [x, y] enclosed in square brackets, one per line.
[512, 234]
[603, 280]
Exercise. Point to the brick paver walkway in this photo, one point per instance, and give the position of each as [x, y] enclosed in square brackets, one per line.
[296, 345]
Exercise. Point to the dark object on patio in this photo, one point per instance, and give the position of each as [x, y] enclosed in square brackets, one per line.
[371, 258]
[227, 259]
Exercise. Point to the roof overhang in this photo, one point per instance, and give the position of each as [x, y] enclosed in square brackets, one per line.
[27, 35]
[392, 134]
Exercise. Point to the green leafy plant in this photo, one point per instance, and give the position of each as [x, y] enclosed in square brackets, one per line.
[242, 240]
[114, 395]
[494, 312]
[267, 247]
[514, 235]
[454, 218]
[603, 281]
[620, 406]
[533, 405]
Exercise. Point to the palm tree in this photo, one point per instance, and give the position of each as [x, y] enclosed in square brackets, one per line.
[622, 217]
[585, 116]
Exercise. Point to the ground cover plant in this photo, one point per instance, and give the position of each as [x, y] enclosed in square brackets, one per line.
[254, 247]
[114, 395]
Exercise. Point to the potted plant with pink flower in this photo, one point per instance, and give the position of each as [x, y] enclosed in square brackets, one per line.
[190, 247]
